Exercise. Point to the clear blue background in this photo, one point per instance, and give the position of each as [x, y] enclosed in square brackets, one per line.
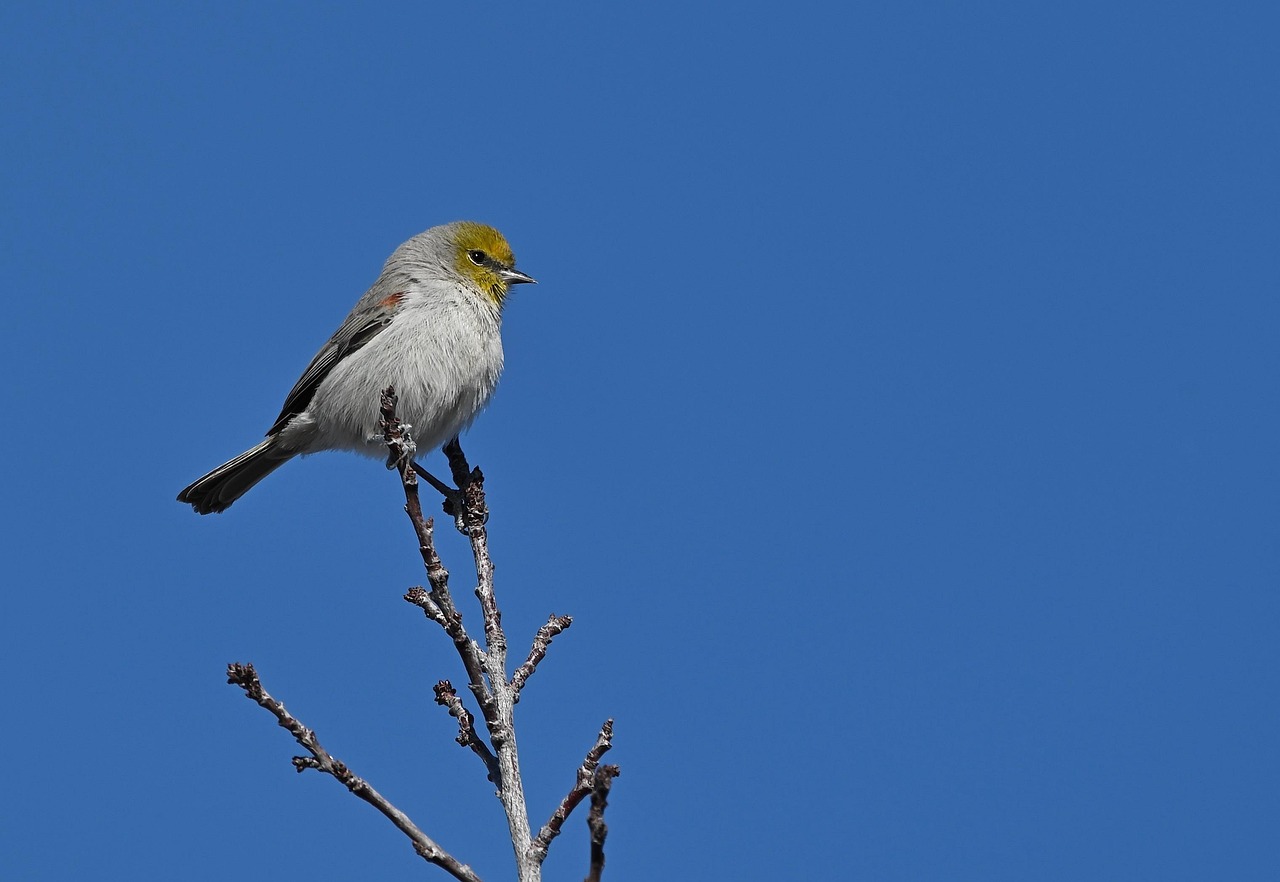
[896, 415]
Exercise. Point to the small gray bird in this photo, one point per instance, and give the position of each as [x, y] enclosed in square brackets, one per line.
[430, 326]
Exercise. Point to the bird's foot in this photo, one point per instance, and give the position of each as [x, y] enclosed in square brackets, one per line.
[455, 500]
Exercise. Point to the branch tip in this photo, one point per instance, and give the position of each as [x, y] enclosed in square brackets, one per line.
[601, 781]
[244, 676]
[541, 643]
[585, 783]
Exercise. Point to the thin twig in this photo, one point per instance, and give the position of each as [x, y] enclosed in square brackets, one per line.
[320, 759]
[438, 603]
[486, 674]
[500, 718]
[447, 696]
[595, 818]
[487, 670]
[581, 787]
[541, 642]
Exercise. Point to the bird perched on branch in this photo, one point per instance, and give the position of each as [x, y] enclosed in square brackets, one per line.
[430, 326]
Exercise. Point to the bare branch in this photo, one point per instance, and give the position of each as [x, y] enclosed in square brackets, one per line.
[582, 786]
[419, 597]
[468, 650]
[595, 818]
[487, 670]
[320, 759]
[541, 642]
[499, 717]
[448, 696]
[438, 603]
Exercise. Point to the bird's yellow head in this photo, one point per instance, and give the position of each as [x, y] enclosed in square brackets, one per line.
[482, 255]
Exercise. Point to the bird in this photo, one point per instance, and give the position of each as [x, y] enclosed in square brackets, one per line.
[430, 326]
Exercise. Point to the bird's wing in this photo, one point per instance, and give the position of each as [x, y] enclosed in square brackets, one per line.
[359, 328]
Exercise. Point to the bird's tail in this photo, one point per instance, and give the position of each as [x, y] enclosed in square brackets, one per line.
[231, 480]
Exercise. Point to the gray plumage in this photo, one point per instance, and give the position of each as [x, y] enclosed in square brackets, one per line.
[430, 326]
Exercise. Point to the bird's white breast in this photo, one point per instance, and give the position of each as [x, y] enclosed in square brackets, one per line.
[443, 353]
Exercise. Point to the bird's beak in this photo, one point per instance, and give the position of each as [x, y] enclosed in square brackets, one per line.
[515, 277]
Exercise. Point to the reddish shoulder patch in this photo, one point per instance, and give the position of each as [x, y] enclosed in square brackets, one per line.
[391, 300]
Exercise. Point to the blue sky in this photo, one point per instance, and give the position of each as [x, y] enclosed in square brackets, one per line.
[896, 415]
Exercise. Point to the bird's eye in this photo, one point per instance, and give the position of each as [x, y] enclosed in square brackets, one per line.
[477, 256]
